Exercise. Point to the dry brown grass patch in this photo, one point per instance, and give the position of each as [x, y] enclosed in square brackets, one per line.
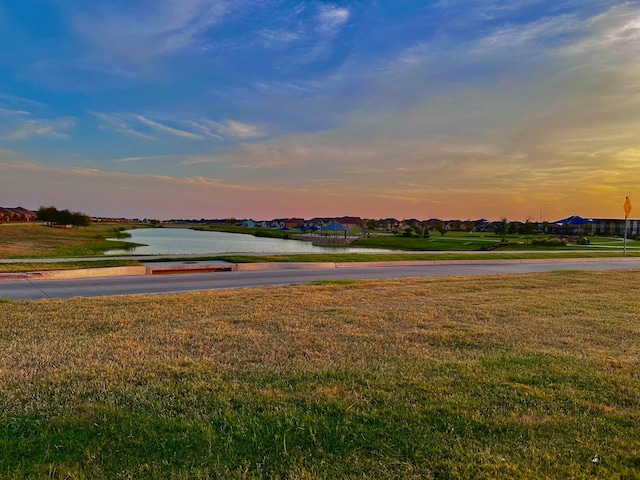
[580, 314]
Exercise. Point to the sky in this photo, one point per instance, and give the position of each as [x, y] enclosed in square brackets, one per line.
[262, 109]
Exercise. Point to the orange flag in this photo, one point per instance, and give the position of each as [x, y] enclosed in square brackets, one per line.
[627, 207]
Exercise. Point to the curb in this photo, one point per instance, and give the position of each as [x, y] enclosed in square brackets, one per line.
[87, 273]
[284, 266]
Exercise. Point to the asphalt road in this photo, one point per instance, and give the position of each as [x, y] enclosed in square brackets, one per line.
[29, 288]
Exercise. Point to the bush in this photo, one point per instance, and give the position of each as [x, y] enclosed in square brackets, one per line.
[549, 242]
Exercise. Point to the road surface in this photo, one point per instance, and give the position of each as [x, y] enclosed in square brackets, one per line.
[30, 288]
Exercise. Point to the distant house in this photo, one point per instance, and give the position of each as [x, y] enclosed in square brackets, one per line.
[17, 214]
[411, 222]
[349, 222]
[318, 222]
[433, 223]
[288, 222]
[248, 223]
[481, 225]
[391, 222]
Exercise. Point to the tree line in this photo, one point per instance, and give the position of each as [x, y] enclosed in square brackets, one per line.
[63, 217]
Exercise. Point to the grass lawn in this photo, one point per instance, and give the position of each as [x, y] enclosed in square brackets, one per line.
[526, 376]
[450, 241]
[19, 240]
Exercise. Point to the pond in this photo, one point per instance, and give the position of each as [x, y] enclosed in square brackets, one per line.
[184, 241]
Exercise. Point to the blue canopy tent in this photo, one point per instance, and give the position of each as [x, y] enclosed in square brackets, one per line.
[575, 223]
[574, 220]
[335, 227]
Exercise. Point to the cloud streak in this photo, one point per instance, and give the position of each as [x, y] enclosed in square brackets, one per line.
[137, 34]
[56, 128]
[331, 18]
[122, 124]
[166, 129]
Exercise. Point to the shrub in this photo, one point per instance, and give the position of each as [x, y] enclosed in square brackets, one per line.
[549, 242]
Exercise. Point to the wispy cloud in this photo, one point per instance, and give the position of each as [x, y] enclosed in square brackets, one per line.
[143, 158]
[207, 127]
[139, 33]
[235, 129]
[6, 111]
[167, 129]
[55, 128]
[616, 32]
[556, 29]
[228, 129]
[316, 34]
[278, 38]
[330, 17]
[17, 100]
[122, 124]
[137, 125]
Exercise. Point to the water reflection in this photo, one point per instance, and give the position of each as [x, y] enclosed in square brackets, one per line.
[183, 241]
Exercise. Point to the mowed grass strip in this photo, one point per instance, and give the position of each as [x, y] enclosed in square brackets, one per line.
[76, 265]
[528, 376]
[41, 241]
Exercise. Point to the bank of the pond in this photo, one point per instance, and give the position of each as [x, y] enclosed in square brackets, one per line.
[176, 241]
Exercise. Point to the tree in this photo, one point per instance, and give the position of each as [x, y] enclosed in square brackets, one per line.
[440, 227]
[80, 219]
[469, 226]
[425, 229]
[63, 217]
[371, 224]
[47, 214]
[500, 228]
[529, 227]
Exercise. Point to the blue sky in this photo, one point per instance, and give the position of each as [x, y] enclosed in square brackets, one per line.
[262, 109]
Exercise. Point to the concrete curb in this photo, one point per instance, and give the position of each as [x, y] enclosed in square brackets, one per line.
[160, 269]
[88, 273]
[284, 266]
[13, 276]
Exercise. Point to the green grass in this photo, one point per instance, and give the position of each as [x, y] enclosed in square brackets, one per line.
[434, 242]
[433, 256]
[462, 241]
[256, 231]
[40, 241]
[48, 266]
[527, 376]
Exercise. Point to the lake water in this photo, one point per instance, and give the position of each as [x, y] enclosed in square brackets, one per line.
[183, 241]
